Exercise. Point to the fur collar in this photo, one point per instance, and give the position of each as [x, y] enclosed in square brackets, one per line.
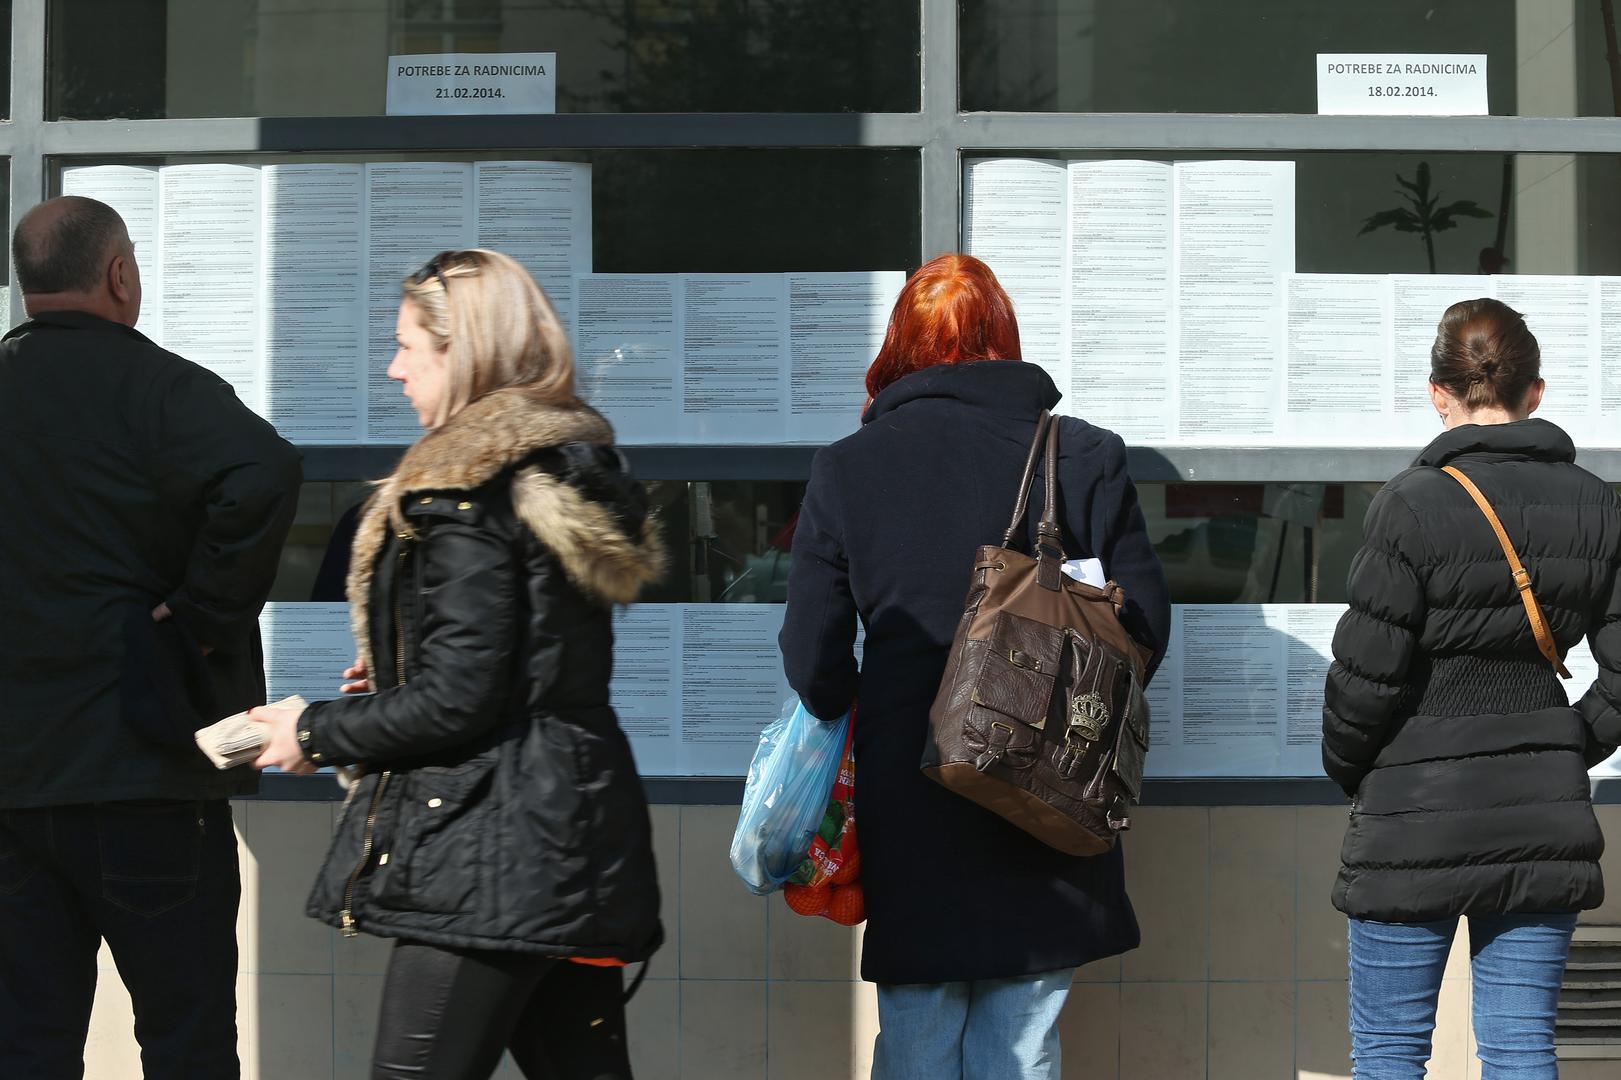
[477, 445]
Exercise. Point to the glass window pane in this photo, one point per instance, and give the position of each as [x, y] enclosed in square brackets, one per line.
[1257, 56]
[313, 248]
[705, 211]
[5, 59]
[5, 245]
[1539, 213]
[1185, 303]
[1219, 543]
[191, 58]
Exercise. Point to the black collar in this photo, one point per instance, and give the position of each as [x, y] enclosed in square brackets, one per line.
[72, 320]
[1521, 440]
[1005, 387]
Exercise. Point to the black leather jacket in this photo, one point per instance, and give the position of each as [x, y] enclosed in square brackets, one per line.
[499, 807]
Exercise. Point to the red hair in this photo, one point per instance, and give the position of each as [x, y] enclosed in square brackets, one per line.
[952, 311]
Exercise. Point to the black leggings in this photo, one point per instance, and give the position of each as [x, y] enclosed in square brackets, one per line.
[449, 1013]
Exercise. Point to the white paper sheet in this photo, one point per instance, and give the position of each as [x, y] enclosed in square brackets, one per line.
[314, 300]
[694, 684]
[1609, 349]
[209, 236]
[734, 341]
[1308, 638]
[1121, 318]
[1014, 212]
[646, 689]
[414, 210]
[1563, 314]
[1164, 695]
[1241, 691]
[1417, 304]
[836, 324]
[732, 682]
[1337, 380]
[539, 212]
[1235, 241]
[132, 190]
[307, 648]
[628, 352]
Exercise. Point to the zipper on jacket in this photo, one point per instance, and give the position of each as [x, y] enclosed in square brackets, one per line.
[346, 916]
[368, 836]
[399, 610]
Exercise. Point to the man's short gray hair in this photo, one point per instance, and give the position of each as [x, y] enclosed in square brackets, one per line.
[68, 251]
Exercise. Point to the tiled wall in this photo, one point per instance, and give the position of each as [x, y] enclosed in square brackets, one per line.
[1241, 975]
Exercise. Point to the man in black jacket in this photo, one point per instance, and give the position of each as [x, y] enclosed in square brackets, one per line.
[145, 511]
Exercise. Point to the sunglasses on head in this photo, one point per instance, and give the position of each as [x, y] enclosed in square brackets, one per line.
[431, 268]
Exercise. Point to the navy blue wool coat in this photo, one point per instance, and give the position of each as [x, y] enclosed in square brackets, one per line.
[890, 521]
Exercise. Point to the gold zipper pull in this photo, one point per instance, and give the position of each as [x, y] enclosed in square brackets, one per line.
[348, 924]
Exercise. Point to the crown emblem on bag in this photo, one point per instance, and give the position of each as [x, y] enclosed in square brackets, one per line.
[1088, 713]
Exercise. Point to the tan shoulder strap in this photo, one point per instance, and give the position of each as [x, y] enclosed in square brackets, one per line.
[1522, 578]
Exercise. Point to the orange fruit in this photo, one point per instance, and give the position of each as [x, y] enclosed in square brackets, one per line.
[806, 900]
[848, 906]
[849, 871]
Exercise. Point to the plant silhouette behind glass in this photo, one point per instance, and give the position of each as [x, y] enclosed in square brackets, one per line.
[1423, 213]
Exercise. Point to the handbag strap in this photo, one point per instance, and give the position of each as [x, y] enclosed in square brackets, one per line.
[1522, 577]
[1049, 541]
[1029, 477]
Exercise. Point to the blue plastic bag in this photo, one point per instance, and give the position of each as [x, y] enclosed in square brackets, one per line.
[786, 795]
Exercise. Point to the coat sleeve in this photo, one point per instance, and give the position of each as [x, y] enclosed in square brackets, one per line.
[1375, 641]
[818, 629]
[1129, 558]
[211, 454]
[1600, 707]
[468, 629]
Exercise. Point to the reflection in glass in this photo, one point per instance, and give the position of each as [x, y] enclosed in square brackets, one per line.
[1257, 56]
[730, 541]
[141, 59]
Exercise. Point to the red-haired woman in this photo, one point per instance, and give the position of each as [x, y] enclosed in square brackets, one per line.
[974, 927]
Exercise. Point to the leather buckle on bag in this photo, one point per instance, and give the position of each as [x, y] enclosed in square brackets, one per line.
[1023, 660]
[1522, 579]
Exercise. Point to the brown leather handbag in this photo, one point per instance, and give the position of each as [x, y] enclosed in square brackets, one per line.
[1040, 716]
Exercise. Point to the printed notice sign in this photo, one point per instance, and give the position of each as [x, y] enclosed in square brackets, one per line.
[1401, 84]
[445, 84]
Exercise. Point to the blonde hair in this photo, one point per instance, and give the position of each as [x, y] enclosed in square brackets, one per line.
[495, 326]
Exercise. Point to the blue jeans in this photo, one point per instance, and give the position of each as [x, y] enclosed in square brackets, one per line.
[1516, 963]
[988, 1029]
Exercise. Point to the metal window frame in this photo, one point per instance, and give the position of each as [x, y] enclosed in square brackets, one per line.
[938, 131]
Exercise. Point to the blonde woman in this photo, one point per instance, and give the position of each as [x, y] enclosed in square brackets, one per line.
[498, 833]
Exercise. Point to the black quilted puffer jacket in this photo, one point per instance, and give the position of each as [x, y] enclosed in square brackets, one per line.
[1465, 760]
[500, 807]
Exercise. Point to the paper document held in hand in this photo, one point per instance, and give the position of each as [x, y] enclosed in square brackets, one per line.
[236, 740]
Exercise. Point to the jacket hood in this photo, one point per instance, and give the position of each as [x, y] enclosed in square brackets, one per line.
[569, 487]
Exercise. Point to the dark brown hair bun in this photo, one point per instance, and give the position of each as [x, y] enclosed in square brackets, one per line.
[1484, 355]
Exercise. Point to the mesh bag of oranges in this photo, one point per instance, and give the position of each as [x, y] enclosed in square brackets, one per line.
[828, 882]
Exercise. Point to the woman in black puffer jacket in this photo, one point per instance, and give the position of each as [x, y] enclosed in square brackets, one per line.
[499, 831]
[1466, 766]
